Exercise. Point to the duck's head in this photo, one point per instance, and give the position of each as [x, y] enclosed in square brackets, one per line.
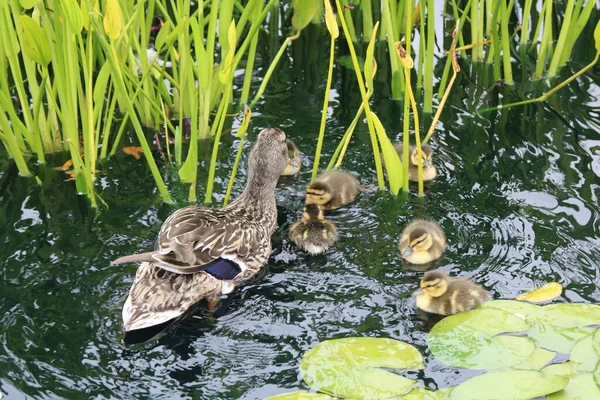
[313, 212]
[294, 159]
[269, 156]
[318, 193]
[433, 284]
[418, 240]
[427, 153]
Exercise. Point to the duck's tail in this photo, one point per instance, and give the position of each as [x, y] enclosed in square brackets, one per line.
[135, 258]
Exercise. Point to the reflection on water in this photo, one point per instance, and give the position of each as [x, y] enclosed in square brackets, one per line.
[517, 196]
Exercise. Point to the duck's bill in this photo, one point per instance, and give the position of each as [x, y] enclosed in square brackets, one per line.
[417, 292]
[294, 163]
[426, 163]
[407, 252]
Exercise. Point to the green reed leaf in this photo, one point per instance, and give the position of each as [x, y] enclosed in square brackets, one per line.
[73, 15]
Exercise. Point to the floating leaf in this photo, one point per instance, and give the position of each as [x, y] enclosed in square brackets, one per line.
[580, 387]
[508, 385]
[304, 12]
[596, 341]
[512, 307]
[548, 292]
[537, 361]
[558, 327]
[564, 369]
[112, 19]
[583, 356]
[468, 340]
[422, 394]
[300, 395]
[352, 367]
[35, 43]
[597, 374]
[133, 151]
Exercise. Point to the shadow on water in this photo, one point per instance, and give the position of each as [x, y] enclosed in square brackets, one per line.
[517, 195]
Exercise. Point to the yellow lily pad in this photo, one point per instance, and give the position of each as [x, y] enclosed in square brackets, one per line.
[548, 292]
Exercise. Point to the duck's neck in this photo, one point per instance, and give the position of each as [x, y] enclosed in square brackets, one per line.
[259, 192]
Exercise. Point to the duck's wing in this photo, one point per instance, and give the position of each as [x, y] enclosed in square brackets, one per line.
[196, 238]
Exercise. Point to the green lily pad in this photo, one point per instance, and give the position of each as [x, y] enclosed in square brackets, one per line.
[422, 394]
[468, 340]
[537, 361]
[597, 374]
[564, 369]
[558, 327]
[300, 395]
[596, 341]
[513, 307]
[508, 385]
[352, 367]
[580, 387]
[583, 356]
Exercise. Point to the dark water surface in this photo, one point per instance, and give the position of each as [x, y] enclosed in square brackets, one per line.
[517, 196]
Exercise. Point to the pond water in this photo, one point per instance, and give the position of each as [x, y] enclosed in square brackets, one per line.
[517, 195]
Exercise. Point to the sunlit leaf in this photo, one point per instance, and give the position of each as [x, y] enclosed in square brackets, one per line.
[101, 83]
[73, 15]
[133, 151]
[224, 74]
[422, 394]
[508, 385]
[583, 355]
[300, 395]
[202, 58]
[27, 4]
[405, 58]
[537, 361]
[245, 122]
[597, 374]
[304, 12]
[161, 36]
[558, 327]
[548, 292]
[369, 58]
[390, 156]
[352, 367]
[511, 307]
[330, 20]
[469, 340]
[597, 37]
[564, 369]
[112, 19]
[35, 43]
[580, 387]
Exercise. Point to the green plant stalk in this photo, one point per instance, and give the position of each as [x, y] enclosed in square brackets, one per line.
[550, 92]
[315, 170]
[540, 22]
[215, 151]
[444, 79]
[90, 145]
[110, 112]
[495, 45]
[241, 134]
[438, 112]
[576, 29]
[428, 98]
[546, 40]
[413, 104]
[422, 48]
[367, 14]
[562, 39]
[250, 61]
[506, 63]
[387, 28]
[12, 146]
[526, 20]
[365, 99]
[476, 31]
[122, 92]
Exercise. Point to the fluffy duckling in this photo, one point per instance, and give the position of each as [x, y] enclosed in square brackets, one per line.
[446, 296]
[429, 171]
[313, 233]
[332, 190]
[422, 241]
[294, 159]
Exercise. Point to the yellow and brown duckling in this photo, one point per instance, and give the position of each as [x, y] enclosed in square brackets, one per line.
[429, 171]
[442, 295]
[332, 190]
[422, 241]
[313, 233]
[294, 159]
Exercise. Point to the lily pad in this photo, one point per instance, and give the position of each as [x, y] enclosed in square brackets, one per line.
[583, 356]
[468, 340]
[537, 361]
[422, 394]
[547, 292]
[509, 385]
[596, 341]
[558, 327]
[352, 367]
[516, 308]
[580, 387]
[300, 395]
[564, 369]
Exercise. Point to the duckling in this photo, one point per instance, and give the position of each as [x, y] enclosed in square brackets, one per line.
[422, 241]
[439, 294]
[294, 159]
[429, 171]
[313, 233]
[332, 190]
[202, 252]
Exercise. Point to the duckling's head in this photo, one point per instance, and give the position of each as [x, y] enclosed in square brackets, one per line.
[433, 284]
[269, 156]
[419, 239]
[318, 193]
[312, 212]
[427, 152]
[294, 159]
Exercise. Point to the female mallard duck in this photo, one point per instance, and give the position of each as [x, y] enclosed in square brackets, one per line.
[429, 171]
[332, 189]
[422, 241]
[446, 296]
[313, 233]
[205, 252]
[294, 159]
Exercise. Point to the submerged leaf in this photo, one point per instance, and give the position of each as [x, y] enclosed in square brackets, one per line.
[580, 387]
[508, 385]
[548, 292]
[469, 340]
[352, 367]
[558, 327]
[133, 151]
